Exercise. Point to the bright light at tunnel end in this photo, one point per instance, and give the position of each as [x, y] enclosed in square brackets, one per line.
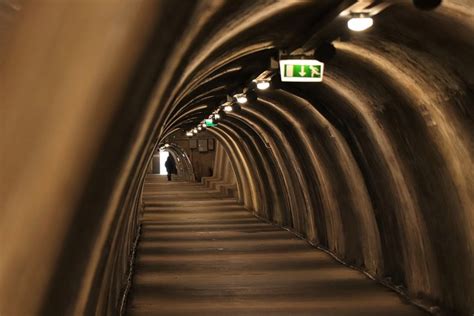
[360, 23]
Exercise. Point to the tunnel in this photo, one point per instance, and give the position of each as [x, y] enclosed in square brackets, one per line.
[349, 196]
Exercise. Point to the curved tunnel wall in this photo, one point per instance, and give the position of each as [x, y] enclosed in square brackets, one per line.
[374, 164]
[223, 178]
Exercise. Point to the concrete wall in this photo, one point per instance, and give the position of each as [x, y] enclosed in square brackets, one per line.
[68, 199]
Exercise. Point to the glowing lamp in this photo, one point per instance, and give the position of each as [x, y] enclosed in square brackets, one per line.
[262, 84]
[241, 98]
[359, 23]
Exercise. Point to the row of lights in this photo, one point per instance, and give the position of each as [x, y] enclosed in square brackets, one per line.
[262, 83]
[358, 22]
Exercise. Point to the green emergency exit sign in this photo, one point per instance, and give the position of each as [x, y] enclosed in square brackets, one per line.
[210, 123]
[301, 70]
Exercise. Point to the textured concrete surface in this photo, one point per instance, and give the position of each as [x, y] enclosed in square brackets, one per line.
[202, 253]
[374, 163]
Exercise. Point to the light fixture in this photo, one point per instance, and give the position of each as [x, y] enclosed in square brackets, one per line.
[241, 98]
[190, 133]
[204, 125]
[217, 116]
[262, 84]
[167, 145]
[359, 22]
[263, 80]
[195, 130]
[227, 106]
[199, 128]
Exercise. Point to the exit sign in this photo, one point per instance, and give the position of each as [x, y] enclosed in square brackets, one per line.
[210, 123]
[301, 70]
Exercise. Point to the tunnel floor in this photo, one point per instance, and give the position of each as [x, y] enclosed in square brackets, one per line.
[202, 253]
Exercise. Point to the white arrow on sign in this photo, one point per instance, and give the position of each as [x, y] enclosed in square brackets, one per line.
[302, 72]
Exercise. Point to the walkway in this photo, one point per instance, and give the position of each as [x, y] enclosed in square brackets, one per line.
[203, 254]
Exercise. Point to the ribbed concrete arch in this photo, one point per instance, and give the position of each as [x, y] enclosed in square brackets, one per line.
[295, 171]
[288, 162]
[277, 205]
[371, 238]
[324, 140]
[243, 179]
[244, 162]
[409, 221]
[283, 215]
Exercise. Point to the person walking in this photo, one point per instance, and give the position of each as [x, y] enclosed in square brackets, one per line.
[170, 166]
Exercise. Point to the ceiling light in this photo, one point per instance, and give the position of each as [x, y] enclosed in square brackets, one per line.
[199, 128]
[190, 133]
[167, 145]
[217, 116]
[263, 80]
[195, 130]
[262, 84]
[360, 22]
[241, 98]
[228, 108]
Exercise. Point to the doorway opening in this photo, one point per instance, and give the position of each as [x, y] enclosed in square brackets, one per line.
[163, 156]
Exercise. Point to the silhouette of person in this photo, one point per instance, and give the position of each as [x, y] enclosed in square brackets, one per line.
[170, 166]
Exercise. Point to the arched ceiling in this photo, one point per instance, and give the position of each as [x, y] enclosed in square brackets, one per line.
[374, 164]
[392, 101]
